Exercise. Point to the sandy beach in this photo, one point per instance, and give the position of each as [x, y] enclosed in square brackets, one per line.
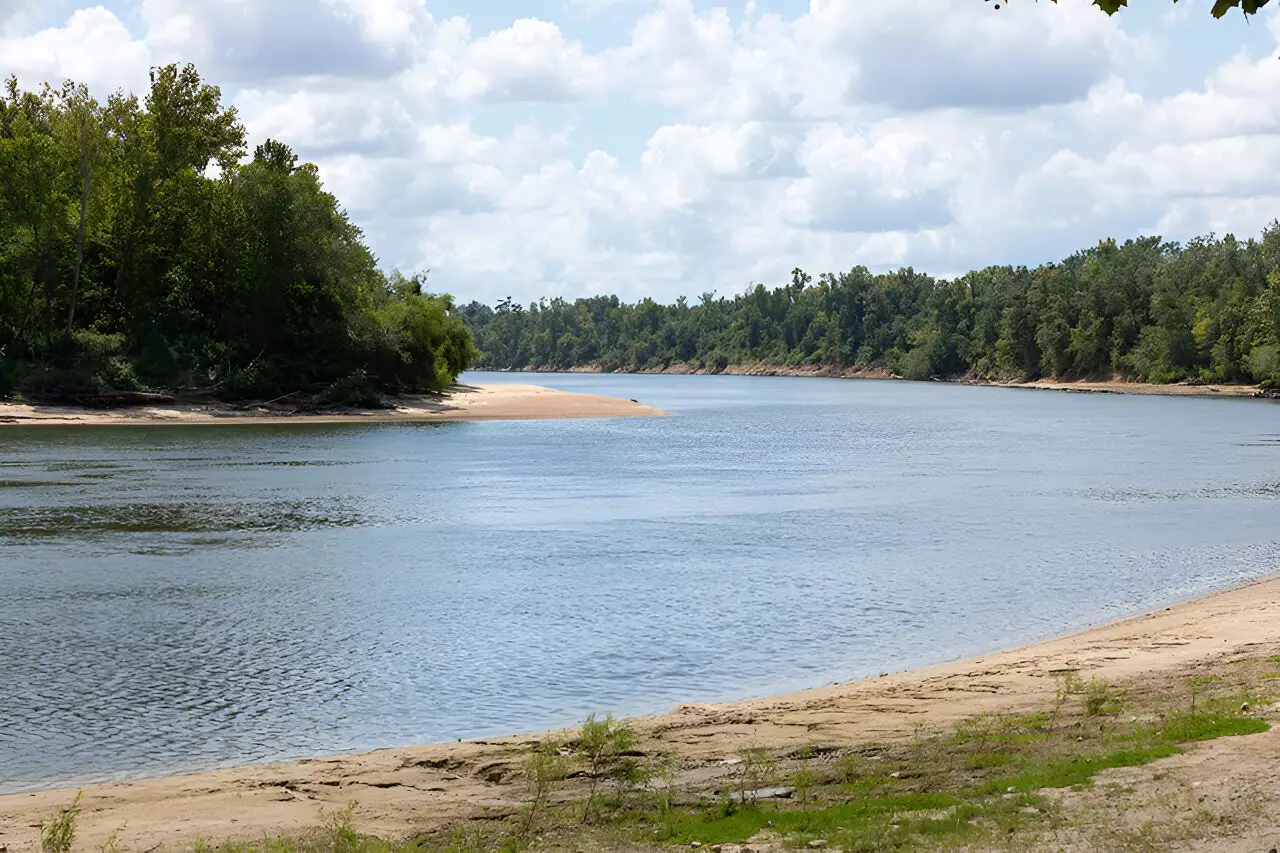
[466, 403]
[401, 792]
[1102, 386]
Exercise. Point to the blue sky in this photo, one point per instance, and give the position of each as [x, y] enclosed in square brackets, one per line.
[667, 147]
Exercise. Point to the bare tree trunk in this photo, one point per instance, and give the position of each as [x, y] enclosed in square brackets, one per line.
[35, 281]
[86, 184]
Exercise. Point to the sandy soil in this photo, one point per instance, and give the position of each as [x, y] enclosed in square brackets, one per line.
[1111, 386]
[467, 403]
[1120, 387]
[406, 791]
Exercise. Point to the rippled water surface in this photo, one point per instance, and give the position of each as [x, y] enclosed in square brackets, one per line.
[183, 598]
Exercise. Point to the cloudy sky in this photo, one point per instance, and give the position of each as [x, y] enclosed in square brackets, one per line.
[667, 147]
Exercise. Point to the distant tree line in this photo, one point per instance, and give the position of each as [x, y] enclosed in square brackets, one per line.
[140, 249]
[1146, 309]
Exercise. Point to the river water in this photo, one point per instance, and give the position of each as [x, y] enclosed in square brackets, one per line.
[183, 598]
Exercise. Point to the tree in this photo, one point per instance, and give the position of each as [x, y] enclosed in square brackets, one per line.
[1219, 9]
[139, 250]
[82, 128]
[1142, 309]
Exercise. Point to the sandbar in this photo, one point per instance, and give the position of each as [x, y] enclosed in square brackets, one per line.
[464, 403]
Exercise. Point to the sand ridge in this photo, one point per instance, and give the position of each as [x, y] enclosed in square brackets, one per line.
[413, 790]
[464, 403]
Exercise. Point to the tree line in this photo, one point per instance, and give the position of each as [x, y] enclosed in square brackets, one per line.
[141, 249]
[1147, 309]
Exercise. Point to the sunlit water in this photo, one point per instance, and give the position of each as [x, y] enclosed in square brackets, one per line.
[186, 598]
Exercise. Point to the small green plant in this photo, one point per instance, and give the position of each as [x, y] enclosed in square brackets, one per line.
[339, 829]
[756, 772]
[803, 781]
[1097, 696]
[666, 771]
[543, 769]
[58, 832]
[602, 745]
[112, 844]
[467, 840]
[1070, 683]
[847, 768]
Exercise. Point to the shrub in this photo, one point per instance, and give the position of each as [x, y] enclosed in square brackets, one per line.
[602, 744]
[1097, 696]
[58, 832]
[543, 769]
[355, 390]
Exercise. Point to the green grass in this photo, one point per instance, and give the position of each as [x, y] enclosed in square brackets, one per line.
[1188, 729]
[744, 824]
[1075, 770]
[977, 785]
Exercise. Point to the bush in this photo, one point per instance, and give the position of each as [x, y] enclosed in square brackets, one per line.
[58, 832]
[8, 378]
[1097, 696]
[354, 390]
[256, 379]
[1264, 364]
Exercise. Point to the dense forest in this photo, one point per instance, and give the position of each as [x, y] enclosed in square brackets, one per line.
[142, 250]
[1146, 309]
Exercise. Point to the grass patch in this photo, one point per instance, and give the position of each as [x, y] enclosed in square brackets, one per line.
[853, 815]
[1185, 728]
[974, 786]
[1076, 770]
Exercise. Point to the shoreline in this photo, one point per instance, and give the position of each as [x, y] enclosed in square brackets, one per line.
[1081, 386]
[417, 789]
[465, 403]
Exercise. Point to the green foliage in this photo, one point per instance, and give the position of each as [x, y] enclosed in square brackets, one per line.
[58, 832]
[543, 769]
[139, 248]
[756, 770]
[1097, 696]
[1146, 309]
[1188, 728]
[602, 744]
[1066, 772]
[1219, 9]
[742, 825]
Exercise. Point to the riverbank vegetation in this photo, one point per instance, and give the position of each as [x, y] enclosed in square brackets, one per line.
[1147, 310]
[997, 781]
[141, 250]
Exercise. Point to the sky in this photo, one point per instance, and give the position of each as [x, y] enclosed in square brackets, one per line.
[533, 148]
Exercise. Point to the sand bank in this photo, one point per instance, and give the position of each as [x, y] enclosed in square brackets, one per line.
[1116, 386]
[412, 790]
[466, 403]
[1109, 386]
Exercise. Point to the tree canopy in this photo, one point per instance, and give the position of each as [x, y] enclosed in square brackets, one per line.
[1145, 309]
[1218, 10]
[140, 248]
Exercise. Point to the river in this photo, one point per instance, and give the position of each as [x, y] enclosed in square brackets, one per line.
[184, 598]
